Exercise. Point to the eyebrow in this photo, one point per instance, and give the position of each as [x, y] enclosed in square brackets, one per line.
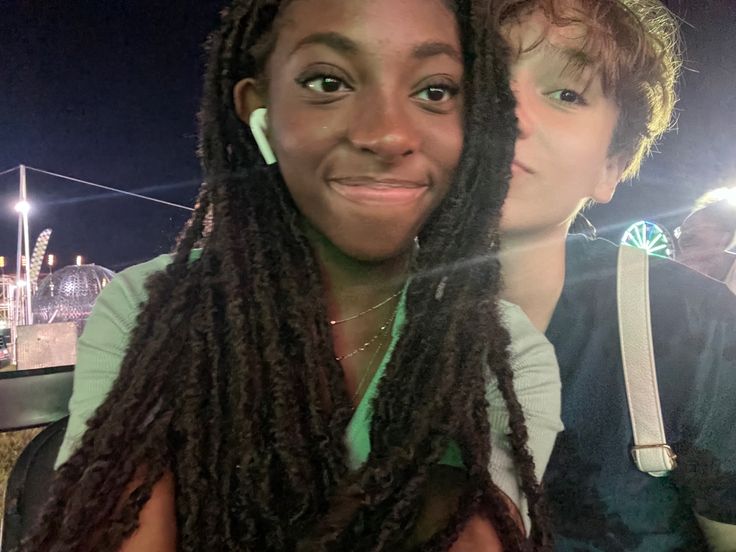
[577, 63]
[431, 49]
[574, 57]
[344, 45]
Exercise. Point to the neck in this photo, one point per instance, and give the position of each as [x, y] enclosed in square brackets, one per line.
[359, 288]
[533, 268]
[353, 285]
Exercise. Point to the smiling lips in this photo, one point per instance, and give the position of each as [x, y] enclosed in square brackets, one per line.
[378, 190]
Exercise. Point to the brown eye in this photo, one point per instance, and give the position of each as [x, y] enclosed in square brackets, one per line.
[325, 84]
[437, 94]
[568, 96]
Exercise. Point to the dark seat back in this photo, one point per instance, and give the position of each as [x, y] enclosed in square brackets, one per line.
[29, 484]
[32, 398]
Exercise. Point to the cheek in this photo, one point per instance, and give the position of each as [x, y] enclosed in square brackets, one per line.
[444, 145]
[301, 137]
[582, 156]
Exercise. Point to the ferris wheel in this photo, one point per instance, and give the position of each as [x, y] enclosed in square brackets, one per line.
[651, 237]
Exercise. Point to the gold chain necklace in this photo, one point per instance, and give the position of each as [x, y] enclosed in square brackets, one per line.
[369, 369]
[372, 340]
[374, 307]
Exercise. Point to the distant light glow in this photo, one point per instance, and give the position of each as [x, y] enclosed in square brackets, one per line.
[729, 194]
[51, 260]
[716, 195]
[22, 207]
[79, 260]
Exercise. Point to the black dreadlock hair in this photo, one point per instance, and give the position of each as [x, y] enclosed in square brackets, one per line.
[230, 382]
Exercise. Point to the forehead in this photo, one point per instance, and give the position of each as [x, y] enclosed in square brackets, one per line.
[536, 32]
[371, 24]
[536, 25]
[568, 35]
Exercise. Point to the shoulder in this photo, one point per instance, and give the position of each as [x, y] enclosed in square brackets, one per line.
[102, 345]
[674, 288]
[696, 295]
[130, 283]
[123, 296]
[119, 302]
[589, 257]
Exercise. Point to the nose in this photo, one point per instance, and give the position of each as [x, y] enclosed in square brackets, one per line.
[384, 128]
[523, 108]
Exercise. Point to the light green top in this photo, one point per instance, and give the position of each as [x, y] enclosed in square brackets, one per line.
[357, 436]
[102, 346]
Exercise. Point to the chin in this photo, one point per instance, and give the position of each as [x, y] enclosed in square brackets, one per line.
[376, 252]
[373, 241]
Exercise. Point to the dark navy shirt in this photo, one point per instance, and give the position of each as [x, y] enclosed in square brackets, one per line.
[599, 500]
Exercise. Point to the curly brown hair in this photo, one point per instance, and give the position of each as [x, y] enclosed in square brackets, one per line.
[230, 380]
[637, 46]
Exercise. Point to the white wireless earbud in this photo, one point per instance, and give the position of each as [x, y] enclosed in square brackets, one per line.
[258, 126]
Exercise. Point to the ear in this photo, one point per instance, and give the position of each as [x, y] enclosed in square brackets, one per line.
[610, 177]
[247, 96]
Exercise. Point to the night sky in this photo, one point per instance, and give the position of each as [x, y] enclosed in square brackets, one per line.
[107, 91]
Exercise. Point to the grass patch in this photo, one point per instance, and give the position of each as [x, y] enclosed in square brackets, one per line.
[11, 445]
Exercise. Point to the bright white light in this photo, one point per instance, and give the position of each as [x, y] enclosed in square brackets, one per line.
[731, 196]
[20, 283]
[719, 194]
[22, 207]
[79, 260]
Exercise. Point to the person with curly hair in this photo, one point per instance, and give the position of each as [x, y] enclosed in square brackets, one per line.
[595, 86]
[322, 364]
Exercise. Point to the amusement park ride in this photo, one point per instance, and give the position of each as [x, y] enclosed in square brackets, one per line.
[41, 315]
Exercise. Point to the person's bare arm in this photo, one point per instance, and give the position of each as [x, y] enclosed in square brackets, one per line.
[478, 535]
[157, 521]
[721, 537]
[440, 501]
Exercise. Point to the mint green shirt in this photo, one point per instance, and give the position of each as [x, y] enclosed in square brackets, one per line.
[102, 346]
[357, 436]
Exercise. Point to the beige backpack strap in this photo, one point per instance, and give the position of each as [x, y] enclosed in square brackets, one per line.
[650, 451]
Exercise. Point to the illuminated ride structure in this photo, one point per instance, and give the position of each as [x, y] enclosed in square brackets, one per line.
[68, 294]
[40, 321]
[7, 287]
[51, 312]
[61, 303]
[651, 237]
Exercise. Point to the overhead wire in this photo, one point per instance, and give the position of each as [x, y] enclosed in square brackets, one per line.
[103, 187]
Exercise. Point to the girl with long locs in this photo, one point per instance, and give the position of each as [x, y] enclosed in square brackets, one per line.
[322, 363]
